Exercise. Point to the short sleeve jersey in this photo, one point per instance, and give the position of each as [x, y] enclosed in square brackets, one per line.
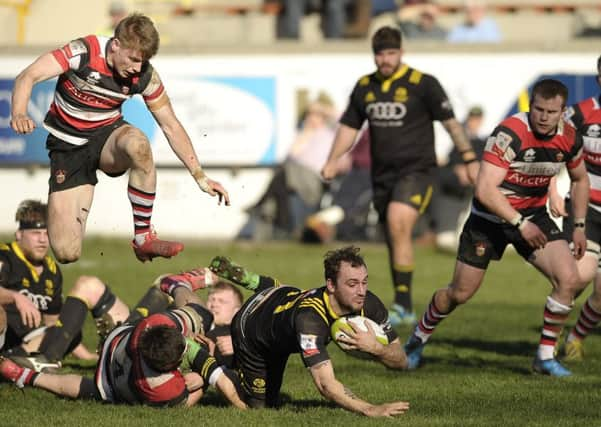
[89, 94]
[531, 160]
[43, 289]
[295, 321]
[586, 118]
[400, 111]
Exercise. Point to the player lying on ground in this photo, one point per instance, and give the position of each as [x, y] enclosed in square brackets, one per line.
[280, 320]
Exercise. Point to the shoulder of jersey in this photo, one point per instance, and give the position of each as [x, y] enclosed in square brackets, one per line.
[4, 247]
[364, 81]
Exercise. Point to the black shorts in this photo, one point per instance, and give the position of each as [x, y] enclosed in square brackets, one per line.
[260, 370]
[592, 224]
[482, 240]
[414, 190]
[75, 165]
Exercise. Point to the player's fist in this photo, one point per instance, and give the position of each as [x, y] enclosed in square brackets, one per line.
[329, 171]
[22, 124]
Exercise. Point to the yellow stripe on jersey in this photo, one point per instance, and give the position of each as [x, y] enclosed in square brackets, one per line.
[415, 77]
[426, 201]
[51, 264]
[19, 253]
[364, 81]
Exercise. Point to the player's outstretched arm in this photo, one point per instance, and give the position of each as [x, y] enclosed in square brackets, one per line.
[332, 389]
[181, 144]
[228, 389]
[43, 68]
[390, 355]
[464, 146]
[345, 137]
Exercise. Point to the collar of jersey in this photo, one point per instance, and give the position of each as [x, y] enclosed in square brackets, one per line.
[397, 75]
[326, 300]
[19, 253]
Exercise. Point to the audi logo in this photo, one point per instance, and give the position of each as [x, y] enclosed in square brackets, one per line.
[386, 110]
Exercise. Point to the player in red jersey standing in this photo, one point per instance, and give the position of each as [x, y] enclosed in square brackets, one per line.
[521, 156]
[88, 132]
[585, 116]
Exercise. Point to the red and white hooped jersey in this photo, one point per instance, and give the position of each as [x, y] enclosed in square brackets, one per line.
[586, 118]
[88, 95]
[531, 160]
[123, 377]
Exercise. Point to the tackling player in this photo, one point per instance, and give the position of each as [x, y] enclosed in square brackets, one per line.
[520, 158]
[87, 132]
[400, 104]
[279, 320]
[143, 362]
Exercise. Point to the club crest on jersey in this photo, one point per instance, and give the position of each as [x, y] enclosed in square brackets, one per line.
[529, 155]
[594, 131]
[400, 95]
[308, 344]
[480, 248]
[559, 157]
[60, 176]
[93, 78]
[125, 90]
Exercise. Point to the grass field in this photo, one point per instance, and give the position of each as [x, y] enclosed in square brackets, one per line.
[476, 369]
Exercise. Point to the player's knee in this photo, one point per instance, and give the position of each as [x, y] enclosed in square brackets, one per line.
[138, 146]
[458, 296]
[66, 254]
[88, 288]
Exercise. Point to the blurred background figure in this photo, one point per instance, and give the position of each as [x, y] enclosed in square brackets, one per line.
[478, 27]
[296, 188]
[453, 193]
[116, 12]
[346, 216]
[418, 20]
[333, 17]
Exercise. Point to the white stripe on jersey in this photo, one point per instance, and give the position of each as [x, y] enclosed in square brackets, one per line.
[65, 136]
[88, 116]
[537, 168]
[595, 181]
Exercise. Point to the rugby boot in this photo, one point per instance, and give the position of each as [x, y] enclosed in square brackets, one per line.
[154, 247]
[413, 349]
[37, 362]
[198, 278]
[19, 375]
[398, 316]
[104, 325]
[229, 270]
[550, 367]
[573, 351]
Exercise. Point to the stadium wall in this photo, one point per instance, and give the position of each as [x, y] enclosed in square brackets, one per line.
[241, 112]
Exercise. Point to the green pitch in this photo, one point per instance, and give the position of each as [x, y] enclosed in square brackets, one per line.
[476, 369]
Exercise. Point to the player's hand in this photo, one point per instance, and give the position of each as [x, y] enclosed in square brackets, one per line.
[214, 188]
[204, 340]
[22, 124]
[533, 235]
[557, 205]
[30, 315]
[361, 340]
[387, 409]
[329, 171]
[472, 171]
[225, 346]
[579, 242]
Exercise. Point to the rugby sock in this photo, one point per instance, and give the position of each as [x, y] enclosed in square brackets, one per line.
[58, 337]
[141, 204]
[555, 316]
[402, 276]
[589, 318]
[431, 318]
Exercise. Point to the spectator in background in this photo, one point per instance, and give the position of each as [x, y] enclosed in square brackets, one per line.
[296, 187]
[346, 218]
[117, 11]
[453, 193]
[477, 28]
[418, 21]
[333, 17]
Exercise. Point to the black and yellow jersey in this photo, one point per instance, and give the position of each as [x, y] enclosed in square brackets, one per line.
[400, 111]
[44, 290]
[282, 320]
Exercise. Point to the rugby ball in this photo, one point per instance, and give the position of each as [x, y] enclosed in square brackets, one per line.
[342, 324]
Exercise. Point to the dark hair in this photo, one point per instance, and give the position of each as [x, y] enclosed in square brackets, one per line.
[333, 260]
[31, 214]
[162, 347]
[225, 286]
[386, 38]
[549, 88]
[599, 65]
[137, 32]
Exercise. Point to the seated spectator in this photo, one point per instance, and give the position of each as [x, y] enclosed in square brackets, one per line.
[477, 28]
[296, 187]
[418, 21]
[333, 17]
[453, 193]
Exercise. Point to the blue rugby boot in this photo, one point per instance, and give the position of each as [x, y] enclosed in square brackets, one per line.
[550, 367]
